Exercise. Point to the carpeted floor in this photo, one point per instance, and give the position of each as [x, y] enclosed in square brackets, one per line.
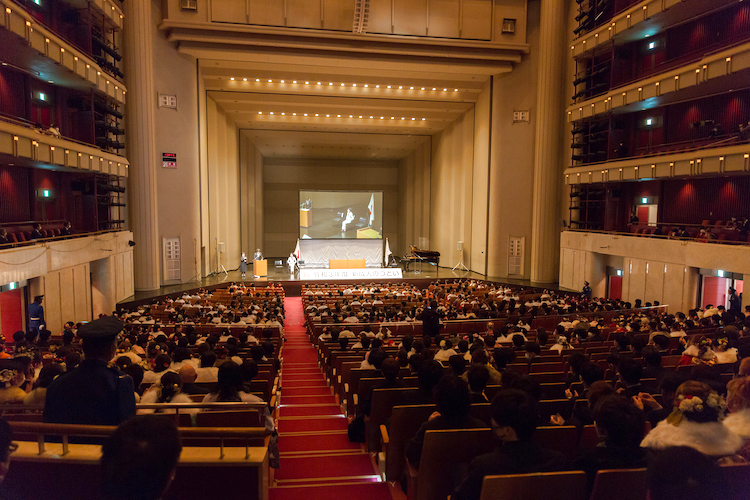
[317, 460]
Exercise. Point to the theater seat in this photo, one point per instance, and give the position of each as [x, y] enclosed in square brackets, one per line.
[539, 486]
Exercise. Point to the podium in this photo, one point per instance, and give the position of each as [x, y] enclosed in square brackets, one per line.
[260, 267]
[305, 217]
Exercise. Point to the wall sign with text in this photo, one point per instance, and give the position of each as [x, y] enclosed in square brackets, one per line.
[169, 160]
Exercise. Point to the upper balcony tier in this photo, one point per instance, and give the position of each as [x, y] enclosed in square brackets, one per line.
[20, 144]
[643, 20]
[49, 57]
[707, 76]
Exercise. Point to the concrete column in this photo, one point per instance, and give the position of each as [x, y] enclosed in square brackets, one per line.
[141, 149]
[547, 157]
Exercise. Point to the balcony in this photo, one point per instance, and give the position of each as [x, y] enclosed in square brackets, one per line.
[53, 59]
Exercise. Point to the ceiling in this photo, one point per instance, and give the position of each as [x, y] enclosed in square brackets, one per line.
[339, 111]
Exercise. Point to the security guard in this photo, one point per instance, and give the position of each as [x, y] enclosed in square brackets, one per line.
[36, 315]
[94, 393]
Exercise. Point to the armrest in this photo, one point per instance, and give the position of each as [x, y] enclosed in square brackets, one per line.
[384, 438]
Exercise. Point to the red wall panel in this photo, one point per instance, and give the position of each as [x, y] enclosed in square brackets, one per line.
[14, 194]
[11, 313]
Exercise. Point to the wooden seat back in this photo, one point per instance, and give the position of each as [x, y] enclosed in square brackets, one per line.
[537, 486]
[609, 485]
[445, 456]
[381, 409]
[405, 422]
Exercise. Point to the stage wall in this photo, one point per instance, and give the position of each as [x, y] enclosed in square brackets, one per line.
[317, 253]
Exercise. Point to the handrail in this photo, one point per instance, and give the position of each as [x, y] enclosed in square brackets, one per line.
[659, 236]
[31, 126]
[57, 238]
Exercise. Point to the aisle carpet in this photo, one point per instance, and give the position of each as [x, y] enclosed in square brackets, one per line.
[317, 460]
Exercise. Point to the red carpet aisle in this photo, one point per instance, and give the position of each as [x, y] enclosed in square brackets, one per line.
[317, 460]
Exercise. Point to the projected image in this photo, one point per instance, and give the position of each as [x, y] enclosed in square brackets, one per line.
[341, 214]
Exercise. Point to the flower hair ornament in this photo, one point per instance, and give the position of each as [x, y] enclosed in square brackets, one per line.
[7, 377]
[693, 404]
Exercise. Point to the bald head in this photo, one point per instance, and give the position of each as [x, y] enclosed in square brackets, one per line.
[187, 374]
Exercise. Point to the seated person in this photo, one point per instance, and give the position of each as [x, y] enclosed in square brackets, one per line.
[514, 420]
[167, 390]
[478, 377]
[452, 399]
[621, 425]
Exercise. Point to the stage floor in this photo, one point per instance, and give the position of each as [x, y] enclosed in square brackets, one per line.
[292, 282]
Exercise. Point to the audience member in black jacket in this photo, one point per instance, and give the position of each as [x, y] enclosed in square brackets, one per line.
[514, 420]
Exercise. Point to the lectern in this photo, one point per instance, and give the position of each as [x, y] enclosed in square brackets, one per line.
[260, 267]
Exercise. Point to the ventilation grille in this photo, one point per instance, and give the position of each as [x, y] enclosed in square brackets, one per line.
[515, 256]
[171, 259]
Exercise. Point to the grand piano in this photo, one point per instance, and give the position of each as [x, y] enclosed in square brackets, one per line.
[419, 255]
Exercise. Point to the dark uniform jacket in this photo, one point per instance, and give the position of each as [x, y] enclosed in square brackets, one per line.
[93, 393]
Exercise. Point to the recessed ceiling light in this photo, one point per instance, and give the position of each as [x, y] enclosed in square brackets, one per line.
[413, 119]
[354, 84]
[389, 86]
[294, 114]
[455, 90]
[257, 79]
[381, 117]
[400, 87]
[371, 118]
[423, 119]
[393, 117]
[295, 81]
[422, 88]
[330, 83]
[282, 81]
[270, 81]
[366, 85]
[271, 112]
[328, 116]
[433, 88]
[411, 88]
[444, 90]
[260, 112]
[318, 83]
[282, 114]
[244, 79]
[403, 118]
[343, 84]
[351, 116]
[360, 116]
[377, 86]
[232, 78]
[305, 114]
[307, 83]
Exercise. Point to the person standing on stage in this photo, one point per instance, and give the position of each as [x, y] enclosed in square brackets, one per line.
[431, 320]
[291, 262]
[258, 255]
[243, 264]
[36, 315]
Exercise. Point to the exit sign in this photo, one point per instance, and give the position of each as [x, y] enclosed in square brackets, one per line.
[169, 160]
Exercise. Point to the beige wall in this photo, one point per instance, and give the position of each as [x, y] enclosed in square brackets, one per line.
[283, 178]
[669, 274]
[251, 195]
[413, 199]
[223, 187]
[177, 132]
[451, 190]
[67, 296]
[512, 158]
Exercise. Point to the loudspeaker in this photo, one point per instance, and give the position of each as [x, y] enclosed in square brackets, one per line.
[222, 247]
[460, 246]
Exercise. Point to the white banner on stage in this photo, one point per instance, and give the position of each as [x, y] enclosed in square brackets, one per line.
[350, 274]
[318, 253]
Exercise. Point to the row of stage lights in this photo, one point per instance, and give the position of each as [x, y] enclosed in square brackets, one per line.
[366, 85]
[372, 117]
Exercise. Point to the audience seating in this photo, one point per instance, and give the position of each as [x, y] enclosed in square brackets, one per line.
[71, 471]
[620, 484]
[559, 438]
[445, 454]
[405, 422]
[383, 402]
[539, 486]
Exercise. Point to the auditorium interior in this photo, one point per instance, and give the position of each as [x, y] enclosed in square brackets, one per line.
[538, 143]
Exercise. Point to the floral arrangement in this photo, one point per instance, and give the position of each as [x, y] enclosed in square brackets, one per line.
[7, 377]
[694, 404]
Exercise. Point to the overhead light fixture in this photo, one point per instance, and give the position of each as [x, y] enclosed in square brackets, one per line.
[232, 78]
